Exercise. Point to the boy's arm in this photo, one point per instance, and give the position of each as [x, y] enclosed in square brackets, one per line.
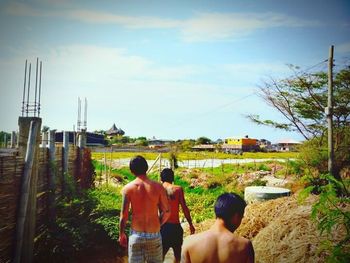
[163, 206]
[186, 210]
[185, 257]
[124, 214]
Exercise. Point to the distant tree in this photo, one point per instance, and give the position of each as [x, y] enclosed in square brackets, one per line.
[102, 132]
[2, 137]
[203, 140]
[186, 145]
[302, 99]
[142, 141]
[45, 128]
[125, 139]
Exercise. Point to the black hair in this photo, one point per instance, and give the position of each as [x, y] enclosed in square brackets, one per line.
[138, 165]
[167, 175]
[227, 205]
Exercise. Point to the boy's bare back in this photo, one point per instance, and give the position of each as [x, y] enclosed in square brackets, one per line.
[217, 246]
[146, 198]
[175, 194]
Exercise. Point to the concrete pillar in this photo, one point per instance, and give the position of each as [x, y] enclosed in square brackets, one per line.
[17, 139]
[13, 140]
[65, 151]
[44, 139]
[51, 144]
[24, 124]
[28, 148]
[82, 139]
[5, 140]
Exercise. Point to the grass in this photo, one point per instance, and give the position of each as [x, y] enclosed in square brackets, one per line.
[183, 156]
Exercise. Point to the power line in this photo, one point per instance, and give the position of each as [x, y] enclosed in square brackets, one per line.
[314, 66]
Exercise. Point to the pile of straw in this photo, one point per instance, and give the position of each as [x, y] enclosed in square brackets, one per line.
[259, 215]
[282, 231]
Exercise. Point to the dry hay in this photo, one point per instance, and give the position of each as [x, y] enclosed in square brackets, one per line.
[282, 231]
[293, 237]
[259, 215]
[200, 227]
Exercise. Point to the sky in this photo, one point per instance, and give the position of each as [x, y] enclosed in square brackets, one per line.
[164, 69]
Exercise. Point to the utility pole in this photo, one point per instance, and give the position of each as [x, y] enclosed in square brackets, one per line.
[329, 112]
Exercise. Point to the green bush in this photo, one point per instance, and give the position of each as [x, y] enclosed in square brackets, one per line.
[83, 222]
[257, 182]
[330, 212]
[263, 167]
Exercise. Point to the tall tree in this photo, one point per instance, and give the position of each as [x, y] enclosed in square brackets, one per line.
[302, 99]
[203, 140]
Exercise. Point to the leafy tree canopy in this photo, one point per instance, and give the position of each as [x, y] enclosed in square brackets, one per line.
[203, 140]
[302, 99]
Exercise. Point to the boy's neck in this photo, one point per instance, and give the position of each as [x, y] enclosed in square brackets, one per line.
[142, 177]
[220, 225]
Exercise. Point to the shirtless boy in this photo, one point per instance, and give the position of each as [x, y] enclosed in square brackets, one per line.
[218, 244]
[171, 231]
[146, 198]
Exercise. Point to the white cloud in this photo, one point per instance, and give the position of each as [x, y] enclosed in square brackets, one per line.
[118, 86]
[22, 9]
[343, 48]
[201, 27]
[218, 26]
[127, 21]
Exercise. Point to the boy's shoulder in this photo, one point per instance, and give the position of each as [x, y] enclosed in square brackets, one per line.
[129, 186]
[193, 239]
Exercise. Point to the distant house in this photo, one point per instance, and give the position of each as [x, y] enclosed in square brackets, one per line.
[204, 147]
[114, 131]
[92, 139]
[286, 145]
[264, 144]
[240, 144]
[154, 143]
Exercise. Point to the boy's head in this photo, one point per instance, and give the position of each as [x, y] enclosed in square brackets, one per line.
[230, 207]
[167, 175]
[138, 165]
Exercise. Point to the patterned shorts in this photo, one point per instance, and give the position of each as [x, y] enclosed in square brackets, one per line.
[145, 247]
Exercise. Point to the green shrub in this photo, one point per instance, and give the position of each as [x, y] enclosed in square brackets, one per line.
[263, 167]
[83, 222]
[330, 212]
[257, 182]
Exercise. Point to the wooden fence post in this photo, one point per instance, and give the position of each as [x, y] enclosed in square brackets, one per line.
[160, 164]
[105, 166]
[27, 206]
[81, 145]
[65, 153]
[52, 176]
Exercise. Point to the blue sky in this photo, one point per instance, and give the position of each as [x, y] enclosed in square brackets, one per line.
[169, 69]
